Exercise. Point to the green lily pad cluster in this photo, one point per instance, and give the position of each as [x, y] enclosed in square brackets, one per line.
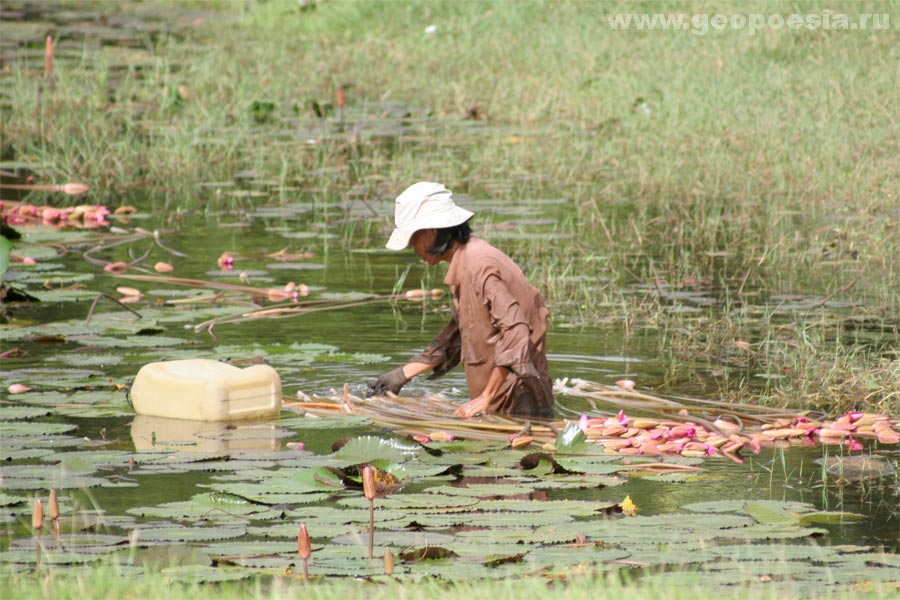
[445, 510]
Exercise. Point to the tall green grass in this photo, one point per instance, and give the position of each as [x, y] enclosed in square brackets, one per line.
[108, 582]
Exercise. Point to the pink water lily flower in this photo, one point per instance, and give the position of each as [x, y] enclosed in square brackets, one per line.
[583, 422]
[854, 416]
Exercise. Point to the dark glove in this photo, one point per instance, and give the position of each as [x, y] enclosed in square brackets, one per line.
[391, 382]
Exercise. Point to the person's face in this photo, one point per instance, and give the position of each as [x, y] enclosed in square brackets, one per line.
[421, 241]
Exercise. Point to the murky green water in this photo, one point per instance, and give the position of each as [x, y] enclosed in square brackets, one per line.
[390, 332]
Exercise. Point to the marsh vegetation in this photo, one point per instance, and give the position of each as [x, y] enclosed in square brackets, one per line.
[710, 216]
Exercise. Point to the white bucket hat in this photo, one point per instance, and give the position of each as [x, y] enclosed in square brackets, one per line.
[424, 205]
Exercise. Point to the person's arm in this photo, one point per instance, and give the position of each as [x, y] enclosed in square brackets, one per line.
[480, 404]
[442, 355]
[411, 369]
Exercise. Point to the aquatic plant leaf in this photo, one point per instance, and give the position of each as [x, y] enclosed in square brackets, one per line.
[17, 413]
[572, 439]
[401, 539]
[171, 555]
[178, 533]
[590, 554]
[202, 574]
[737, 506]
[14, 429]
[11, 451]
[768, 515]
[367, 449]
[323, 423]
[481, 490]
[8, 500]
[771, 552]
[671, 477]
[589, 465]
[272, 494]
[828, 517]
[774, 532]
[410, 501]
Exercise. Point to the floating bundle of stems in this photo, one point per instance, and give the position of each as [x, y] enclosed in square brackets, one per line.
[431, 412]
[655, 425]
[429, 416]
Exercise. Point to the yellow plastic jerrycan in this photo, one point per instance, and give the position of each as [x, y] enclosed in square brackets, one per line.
[201, 389]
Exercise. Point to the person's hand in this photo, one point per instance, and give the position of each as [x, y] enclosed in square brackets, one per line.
[391, 382]
[473, 407]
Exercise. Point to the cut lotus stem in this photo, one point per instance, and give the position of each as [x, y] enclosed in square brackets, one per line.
[304, 548]
[368, 477]
[37, 522]
[107, 296]
[72, 189]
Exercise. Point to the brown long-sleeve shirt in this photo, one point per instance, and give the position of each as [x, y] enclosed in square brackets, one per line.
[497, 319]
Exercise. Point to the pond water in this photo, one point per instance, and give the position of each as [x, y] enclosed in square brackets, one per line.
[239, 493]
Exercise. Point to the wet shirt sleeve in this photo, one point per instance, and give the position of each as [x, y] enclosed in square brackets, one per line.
[444, 351]
[512, 341]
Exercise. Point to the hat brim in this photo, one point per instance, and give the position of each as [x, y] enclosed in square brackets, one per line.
[400, 237]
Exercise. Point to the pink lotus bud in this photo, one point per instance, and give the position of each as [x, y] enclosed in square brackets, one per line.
[48, 57]
[441, 436]
[116, 267]
[422, 439]
[296, 445]
[53, 505]
[625, 383]
[304, 545]
[368, 477]
[388, 562]
[129, 291]
[226, 261]
[37, 515]
[621, 419]
[163, 267]
[17, 388]
[854, 416]
[853, 445]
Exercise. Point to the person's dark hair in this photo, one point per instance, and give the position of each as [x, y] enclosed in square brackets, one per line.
[447, 235]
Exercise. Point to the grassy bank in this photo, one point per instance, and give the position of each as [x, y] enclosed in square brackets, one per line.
[753, 168]
[107, 583]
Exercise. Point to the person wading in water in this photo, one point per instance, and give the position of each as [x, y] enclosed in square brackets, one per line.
[498, 321]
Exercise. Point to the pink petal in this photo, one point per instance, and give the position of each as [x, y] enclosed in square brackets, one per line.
[625, 383]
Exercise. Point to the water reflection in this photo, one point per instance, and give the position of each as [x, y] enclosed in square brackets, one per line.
[159, 433]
